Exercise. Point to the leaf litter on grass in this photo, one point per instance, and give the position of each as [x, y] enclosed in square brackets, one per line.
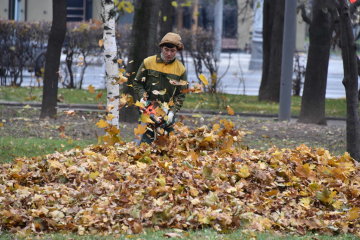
[195, 178]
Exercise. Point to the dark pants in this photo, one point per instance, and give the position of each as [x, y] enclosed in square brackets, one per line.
[149, 136]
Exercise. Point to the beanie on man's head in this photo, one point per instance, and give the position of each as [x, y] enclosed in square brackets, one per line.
[172, 38]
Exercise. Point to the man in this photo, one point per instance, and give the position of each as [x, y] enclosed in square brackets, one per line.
[162, 79]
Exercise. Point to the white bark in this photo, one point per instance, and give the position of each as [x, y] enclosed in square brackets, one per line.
[110, 57]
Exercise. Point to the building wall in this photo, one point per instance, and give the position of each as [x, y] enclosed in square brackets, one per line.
[96, 10]
[39, 10]
[4, 8]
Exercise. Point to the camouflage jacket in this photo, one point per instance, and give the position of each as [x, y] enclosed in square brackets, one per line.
[162, 82]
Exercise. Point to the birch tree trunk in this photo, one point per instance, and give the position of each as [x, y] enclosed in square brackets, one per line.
[110, 57]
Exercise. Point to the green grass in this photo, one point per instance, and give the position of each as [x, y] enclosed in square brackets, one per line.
[218, 102]
[250, 104]
[34, 94]
[206, 234]
[11, 148]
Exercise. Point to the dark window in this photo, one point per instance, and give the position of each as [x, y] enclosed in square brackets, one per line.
[77, 10]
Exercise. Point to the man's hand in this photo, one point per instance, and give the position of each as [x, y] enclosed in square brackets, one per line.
[170, 118]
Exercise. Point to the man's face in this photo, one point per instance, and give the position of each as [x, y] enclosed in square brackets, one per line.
[168, 53]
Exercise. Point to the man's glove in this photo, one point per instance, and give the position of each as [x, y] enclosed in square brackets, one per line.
[145, 102]
[170, 118]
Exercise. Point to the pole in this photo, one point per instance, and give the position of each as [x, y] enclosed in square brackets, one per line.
[218, 12]
[288, 48]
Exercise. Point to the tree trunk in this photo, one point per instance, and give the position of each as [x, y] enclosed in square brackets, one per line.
[273, 26]
[110, 57]
[350, 81]
[320, 33]
[167, 19]
[52, 62]
[144, 43]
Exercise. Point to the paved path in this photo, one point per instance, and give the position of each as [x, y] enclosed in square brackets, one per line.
[238, 79]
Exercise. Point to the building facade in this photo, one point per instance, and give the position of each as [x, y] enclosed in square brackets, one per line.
[41, 10]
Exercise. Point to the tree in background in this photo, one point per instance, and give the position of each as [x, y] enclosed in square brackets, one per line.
[273, 25]
[320, 34]
[350, 81]
[52, 62]
[144, 40]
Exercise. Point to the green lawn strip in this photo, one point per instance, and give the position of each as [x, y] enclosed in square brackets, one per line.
[203, 101]
[34, 94]
[207, 234]
[11, 147]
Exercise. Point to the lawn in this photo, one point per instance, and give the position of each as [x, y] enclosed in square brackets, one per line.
[203, 101]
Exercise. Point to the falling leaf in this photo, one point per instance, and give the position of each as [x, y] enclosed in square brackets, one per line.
[178, 83]
[141, 129]
[1, 124]
[91, 89]
[145, 118]
[174, 4]
[101, 42]
[203, 79]
[164, 18]
[110, 117]
[99, 95]
[159, 92]
[229, 110]
[27, 106]
[102, 124]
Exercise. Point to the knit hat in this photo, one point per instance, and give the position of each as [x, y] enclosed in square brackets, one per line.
[173, 38]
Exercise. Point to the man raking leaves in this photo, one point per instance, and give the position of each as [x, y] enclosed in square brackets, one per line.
[159, 87]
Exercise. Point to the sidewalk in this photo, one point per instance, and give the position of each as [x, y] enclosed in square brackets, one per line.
[237, 80]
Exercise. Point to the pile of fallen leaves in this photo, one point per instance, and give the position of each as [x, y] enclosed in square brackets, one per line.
[193, 179]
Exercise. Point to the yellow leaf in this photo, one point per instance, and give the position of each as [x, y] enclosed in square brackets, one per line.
[203, 79]
[216, 127]
[244, 172]
[160, 92]
[94, 175]
[353, 214]
[164, 18]
[326, 196]
[101, 42]
[230, 110]
[145, 118]
[305, 202]
[110, 117]
[27, 106]
[1, 124]
[120, 61]
[113, 130]
[91, 89]
[161, 180]
[141, 129]
[102, 124]
[194, 192]
[174, 4]
[139, 104]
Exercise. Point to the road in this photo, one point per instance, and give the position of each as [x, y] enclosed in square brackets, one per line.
[237, 80]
